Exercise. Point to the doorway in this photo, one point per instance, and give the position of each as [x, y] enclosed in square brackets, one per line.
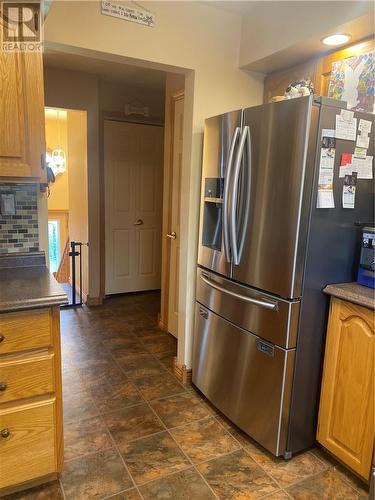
[133, 175]
[66, 145]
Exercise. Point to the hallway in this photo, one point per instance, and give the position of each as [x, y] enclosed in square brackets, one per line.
[133, 431]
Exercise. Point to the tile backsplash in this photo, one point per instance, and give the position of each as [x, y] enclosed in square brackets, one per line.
[19, 232]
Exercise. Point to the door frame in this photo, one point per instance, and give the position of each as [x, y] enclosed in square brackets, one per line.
[167, 213]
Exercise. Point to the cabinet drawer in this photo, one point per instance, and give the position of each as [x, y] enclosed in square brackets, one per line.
[22, 331]
[27, 377]
[29, 450]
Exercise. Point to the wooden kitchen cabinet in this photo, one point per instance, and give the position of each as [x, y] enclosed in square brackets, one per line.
[31, 432]
[317, 69]
[29, 451]
[22, 132]
[346, 414]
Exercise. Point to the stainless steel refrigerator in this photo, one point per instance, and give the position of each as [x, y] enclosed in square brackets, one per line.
[265, 254]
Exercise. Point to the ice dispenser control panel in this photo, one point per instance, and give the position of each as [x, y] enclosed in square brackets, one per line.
[214, 188]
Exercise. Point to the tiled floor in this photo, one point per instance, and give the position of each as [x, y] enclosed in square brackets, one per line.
[133, 431]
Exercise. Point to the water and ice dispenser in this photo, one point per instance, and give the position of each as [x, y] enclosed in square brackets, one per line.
[212, 214]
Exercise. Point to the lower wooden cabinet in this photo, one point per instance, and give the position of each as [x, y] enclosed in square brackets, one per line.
[346, 415]
[31, 436]
[26, 376]
[25, 330]
[27, 442]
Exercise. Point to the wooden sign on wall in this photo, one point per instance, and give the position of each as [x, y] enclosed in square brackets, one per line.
[128, 13]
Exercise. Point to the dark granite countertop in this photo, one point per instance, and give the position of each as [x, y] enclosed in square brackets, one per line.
[352, 292]
[25, 283]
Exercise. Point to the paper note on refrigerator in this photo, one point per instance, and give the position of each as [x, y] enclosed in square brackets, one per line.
[346, 125]
[348, 190]
[347, 115]
[325, 183]
[325, 199]
[363, 141]
[360, 152]
[346, 158]
[328, 132]
[327, 162]
[364, 126]
[361, 166]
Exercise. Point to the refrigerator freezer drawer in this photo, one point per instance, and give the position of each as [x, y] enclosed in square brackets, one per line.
[244, 377]
[269, 317]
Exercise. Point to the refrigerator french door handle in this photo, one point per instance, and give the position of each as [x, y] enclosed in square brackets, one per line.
[249, 300]
[225, 214]
[236, 176]
[248, 194]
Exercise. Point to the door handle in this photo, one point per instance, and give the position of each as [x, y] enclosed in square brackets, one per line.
[236, 176]
[249, 300]
[172, 235]
[228, 174]
[138, 223]
[248, 173]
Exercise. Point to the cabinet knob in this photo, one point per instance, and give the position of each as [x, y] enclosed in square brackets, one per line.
[2, 386]
[2, 338]
[5, 433]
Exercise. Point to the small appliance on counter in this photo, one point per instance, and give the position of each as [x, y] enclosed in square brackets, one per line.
[366, 269]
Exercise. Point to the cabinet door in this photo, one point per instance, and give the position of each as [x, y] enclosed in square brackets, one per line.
[346, 416]
[26, 376]
[27, 442]
[22, 135]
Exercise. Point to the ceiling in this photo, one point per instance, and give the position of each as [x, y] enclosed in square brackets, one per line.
[106, 70]
[360, 29]
[276, 35]
[240, 8]
[248, 6]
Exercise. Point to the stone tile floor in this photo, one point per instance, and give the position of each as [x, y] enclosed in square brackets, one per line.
[132, 431]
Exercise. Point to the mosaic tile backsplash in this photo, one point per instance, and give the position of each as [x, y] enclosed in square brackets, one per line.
[19, 232]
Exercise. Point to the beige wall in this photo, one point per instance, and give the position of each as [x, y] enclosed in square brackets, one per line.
[114, 96]
[76, 90]
[79, 91]
[204, 43]
[56, 136]
[78, 206]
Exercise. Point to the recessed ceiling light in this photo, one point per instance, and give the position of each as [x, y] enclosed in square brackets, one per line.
[338, 39]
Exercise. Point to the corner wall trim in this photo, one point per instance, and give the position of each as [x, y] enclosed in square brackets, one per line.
[94, 301]
[181, 372]
[162, 325]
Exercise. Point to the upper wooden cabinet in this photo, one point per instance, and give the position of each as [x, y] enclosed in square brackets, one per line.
[346, 414]
[22, 135]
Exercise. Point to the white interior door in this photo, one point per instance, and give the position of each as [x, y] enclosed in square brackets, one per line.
[178, 120]
[133, 169]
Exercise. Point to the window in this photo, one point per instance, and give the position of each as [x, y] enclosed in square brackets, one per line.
[54, 245]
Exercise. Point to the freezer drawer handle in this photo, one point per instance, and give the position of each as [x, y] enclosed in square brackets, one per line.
[261, 303]
[203, 313]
